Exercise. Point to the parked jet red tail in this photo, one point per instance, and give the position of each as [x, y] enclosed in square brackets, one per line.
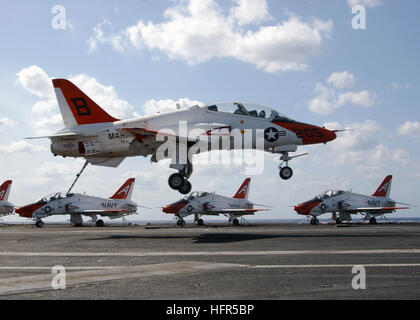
[76, 107]
[5, 190]
[125, 191]
[384, 189]
[243, 190]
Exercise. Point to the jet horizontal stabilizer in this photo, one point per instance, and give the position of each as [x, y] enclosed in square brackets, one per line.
[60, 135]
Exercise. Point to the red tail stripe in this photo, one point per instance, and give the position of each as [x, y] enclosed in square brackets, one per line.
[123, 192]
[383, 188]
[83, 108]
[3, 189]
[243, 190]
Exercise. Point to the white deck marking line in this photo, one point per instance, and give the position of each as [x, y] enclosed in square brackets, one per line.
[275, 266]
[67, 268]
[205, 253]
[366, 265]
[43, 282]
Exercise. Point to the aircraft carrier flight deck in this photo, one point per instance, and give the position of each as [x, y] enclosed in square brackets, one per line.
[254, 261]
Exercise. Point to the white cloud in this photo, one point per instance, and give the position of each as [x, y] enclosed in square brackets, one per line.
[20, 147]
[330, 96]
[36, 81]
[250, 11]
[324, 102]
[6, 122]
[365, 3]
[362, 98]
[341, 80]
[401, 86]
[411, 129]
[46, 118]
[360, 147]
[101, 37]
[197, 31]
[104, 96]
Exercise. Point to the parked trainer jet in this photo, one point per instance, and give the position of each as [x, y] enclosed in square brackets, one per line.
[76, 205]
[6, 207]
[347, 203]
[210, 204]
[103, 140]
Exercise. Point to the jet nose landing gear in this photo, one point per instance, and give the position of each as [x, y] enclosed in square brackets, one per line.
[39, 223]
[285, 171]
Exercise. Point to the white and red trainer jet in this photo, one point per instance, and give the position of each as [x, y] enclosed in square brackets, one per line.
[346, 203]
[76, 205]
[103, 140]
[210, 204]
[6, 208]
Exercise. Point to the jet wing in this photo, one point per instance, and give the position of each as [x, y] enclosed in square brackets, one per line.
[104, 213]
[78, 211]
[58, 136]
[144, 135]
[237, 211]
[377, 209]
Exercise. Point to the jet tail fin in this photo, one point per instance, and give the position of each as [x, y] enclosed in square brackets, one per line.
[5, 190]
[125, 192]
[384, 189]
[243, 191]
[76, 107]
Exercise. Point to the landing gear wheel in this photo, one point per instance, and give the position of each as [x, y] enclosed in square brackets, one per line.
[286, 173]
[39, 224]
[235, 222]
[100, 223]
[373, 221]
[186, 188]
[176, 181]
[78, 225]
[200, 222]
[182, 223]
[338, 221]
[314, 221]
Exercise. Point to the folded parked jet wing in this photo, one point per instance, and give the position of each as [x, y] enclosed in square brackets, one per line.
[377, 209]
[237, 211]
[105, 213]
[101, 212]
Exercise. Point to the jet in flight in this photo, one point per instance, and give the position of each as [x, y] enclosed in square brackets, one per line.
[102, 140]
[76, 205]
[346, 203]
[210, 204]
[6, 208]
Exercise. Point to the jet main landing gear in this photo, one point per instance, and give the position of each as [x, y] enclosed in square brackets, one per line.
[199, 221]
[100, 223]
[179, 181]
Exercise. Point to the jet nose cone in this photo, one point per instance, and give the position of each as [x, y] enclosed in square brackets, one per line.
[306, 208]
[329, 135]
[168, 209]
[27, 211]
[175, 207]
[299, 208]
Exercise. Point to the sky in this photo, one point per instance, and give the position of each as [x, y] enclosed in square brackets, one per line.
[306, 59]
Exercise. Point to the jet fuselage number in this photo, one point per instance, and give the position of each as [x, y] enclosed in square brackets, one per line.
[308, 133]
